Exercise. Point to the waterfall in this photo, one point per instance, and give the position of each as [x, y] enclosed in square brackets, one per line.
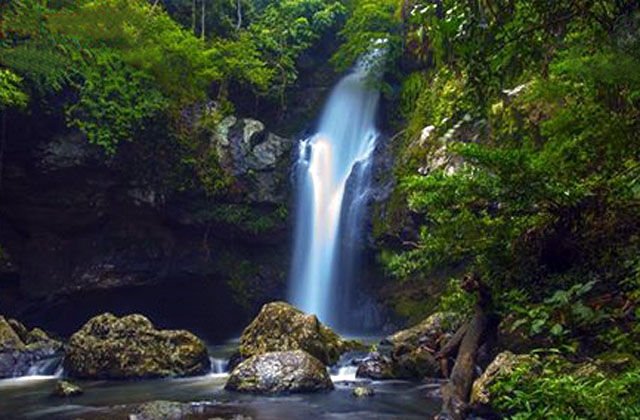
[333, 175]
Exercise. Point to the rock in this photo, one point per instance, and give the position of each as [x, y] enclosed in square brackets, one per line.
[170, 410]
[67, 389]
[9, 339]
[412, 353]
[375, 366]
[108, 347]
[280, 372]
[502, 366]
[418, 363]
[362, 392]
[259, 158]
[21, 348]
[428, 332]
[281, 327]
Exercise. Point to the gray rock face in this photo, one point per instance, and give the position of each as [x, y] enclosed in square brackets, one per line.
[108, 347]
[280, 372]
[67, 151]
[259, 158]
[20, 349]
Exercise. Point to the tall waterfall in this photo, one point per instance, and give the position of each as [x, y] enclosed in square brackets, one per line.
[333, 175]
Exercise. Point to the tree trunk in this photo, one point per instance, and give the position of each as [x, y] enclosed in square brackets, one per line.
[456, 392]
[202, 22]
[193, 17]
[239, 10]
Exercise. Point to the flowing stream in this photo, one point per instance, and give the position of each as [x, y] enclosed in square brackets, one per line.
[333, 175]
[29, 397]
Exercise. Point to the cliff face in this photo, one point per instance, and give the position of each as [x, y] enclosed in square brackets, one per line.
[82, 233]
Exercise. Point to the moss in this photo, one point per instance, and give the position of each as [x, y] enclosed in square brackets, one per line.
[281, 327]
[131, 348]
[244, 217]
[9, 339]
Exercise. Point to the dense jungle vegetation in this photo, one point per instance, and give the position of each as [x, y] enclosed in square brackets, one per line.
[514, 125]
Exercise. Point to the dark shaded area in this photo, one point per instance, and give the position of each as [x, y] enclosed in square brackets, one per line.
[200, 306]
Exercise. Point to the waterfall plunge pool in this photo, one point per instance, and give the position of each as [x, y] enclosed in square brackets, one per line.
[30, 398]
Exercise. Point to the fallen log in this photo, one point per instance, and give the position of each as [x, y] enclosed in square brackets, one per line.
[467, 340]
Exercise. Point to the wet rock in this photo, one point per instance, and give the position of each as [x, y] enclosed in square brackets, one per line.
[502, 366]
[281, 327]
[259, 158]
[21, 348]
[66, 389]
[363, 392]
[170, 410]
[412, 351]
[376, 366]
[280, 372]
[417, 363]
[130, 347]
[9, 339]
[429, 332]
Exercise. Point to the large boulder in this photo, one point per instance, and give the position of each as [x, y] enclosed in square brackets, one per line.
[376, 366]
[281, 327]
[501, 368]
[429, 332]
[21, 348]
[280, 372]
[130, 347]
[410, 353]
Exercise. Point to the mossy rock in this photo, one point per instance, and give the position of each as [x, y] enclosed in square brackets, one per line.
[108, 347]
[21, 348]
[65, 389]
[281, 327]
[428, 332]
[500, 369]
[280, 372]
[376, 366]
[418, 363]
[9, 338]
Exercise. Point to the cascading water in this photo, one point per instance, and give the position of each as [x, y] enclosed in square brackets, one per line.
[333, 175]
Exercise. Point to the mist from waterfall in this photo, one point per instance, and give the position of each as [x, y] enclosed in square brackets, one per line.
[333, 176]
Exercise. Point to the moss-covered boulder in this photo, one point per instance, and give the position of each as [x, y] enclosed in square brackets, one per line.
[501, 368]
[280, 372]
[429, 332]
[418, 363]
[21, 348]
[376, 366]
[9, 339]
[410, 353]
[66, 389]
[108, 347]
[281, 327]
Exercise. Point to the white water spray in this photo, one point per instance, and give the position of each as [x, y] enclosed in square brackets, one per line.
[327, 218]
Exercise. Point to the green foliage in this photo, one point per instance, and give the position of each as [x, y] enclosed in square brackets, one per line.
[555, 389]
[248, 219]
[120, 65]
[11, 94]
[285, 29]
[114, 101]
[369, 23]
[538, 106]
[144, 38]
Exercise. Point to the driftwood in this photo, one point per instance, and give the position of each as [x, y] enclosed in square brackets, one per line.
[465, 343]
